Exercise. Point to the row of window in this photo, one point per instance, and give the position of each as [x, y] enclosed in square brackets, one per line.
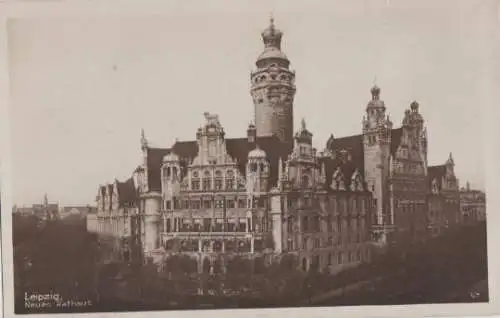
[334, 204]
[209, 203]
[206, 184]
[313, 224]
[213, 225]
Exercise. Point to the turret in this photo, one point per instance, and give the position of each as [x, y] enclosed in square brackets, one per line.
[273, 89]
[257, 172]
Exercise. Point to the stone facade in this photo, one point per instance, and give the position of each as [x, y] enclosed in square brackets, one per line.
[472, 205]
[444, 198]
[271, 192]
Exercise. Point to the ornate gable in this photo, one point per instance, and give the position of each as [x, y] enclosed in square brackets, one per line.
[434, 186]
[356, 181]
[211, 143]
[338, 181]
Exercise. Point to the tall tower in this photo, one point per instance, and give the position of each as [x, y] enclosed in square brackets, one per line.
[273, 89]
[376, 142]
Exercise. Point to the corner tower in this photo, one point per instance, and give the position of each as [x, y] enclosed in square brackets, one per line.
[376, 143]
[273, 89]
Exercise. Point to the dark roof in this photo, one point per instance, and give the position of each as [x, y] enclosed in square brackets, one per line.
[126, 191]
[437, 172]
[155, 157]
[237, 148]
[354, 146]
[347, 168]
[395, 140]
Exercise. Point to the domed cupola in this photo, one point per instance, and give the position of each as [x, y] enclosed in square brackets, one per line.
[257, 154]
[376, 102]
[257, 171]
[416, 117]
[171, 158]
[271, 37]
[303, 136]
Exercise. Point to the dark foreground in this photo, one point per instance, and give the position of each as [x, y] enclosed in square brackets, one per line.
[449, 269]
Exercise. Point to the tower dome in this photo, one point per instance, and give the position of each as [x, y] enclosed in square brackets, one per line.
[257, 153]
[171, 157]
[375, 102]
[271, 37]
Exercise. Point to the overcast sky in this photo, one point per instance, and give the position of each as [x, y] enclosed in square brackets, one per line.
[82, 88]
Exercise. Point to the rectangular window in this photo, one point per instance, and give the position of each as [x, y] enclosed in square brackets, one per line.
[196, 185]
[230, 184]
[207, 204]
[241, 203]
[206, 184]
[168, 204]
[218, 204]
[242, 225]
[230, 204]
[305, 224]
[218, 184]
[169, 225]
[195, 205]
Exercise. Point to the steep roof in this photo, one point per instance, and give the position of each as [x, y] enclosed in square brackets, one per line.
[395, 139]
[354, 146]
[126, 191]
[347, 168]
[237, 148]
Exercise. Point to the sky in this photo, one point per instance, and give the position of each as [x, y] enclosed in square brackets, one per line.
[83, 86]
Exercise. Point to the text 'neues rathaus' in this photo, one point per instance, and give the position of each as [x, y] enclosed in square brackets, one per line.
[271, 192]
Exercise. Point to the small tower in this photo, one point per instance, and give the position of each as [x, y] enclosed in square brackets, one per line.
[450, 165]
[257, 172]
[171, 178]
[303, 163]
[273, 89]
[376, 142]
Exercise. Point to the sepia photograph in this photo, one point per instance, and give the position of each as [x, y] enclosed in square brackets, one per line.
[249, 157]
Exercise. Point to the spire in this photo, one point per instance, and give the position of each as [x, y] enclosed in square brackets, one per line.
[45, 200]
[375, 92]
[450, 160]
[144, 141]
[303, 124]
[272, 36]
[280, 174]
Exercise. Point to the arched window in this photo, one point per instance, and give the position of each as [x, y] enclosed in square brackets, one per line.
[304, 181]
[253, 167]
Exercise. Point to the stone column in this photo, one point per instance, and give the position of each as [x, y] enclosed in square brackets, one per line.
[223, 246]
[200, 246]
[211, 246]
[164, 223]
[252, 241]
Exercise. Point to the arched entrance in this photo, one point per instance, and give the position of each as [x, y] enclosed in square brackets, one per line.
[206, 266]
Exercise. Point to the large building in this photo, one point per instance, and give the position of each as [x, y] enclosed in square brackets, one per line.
[444, 198]
[472, 204]
[271, 191]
